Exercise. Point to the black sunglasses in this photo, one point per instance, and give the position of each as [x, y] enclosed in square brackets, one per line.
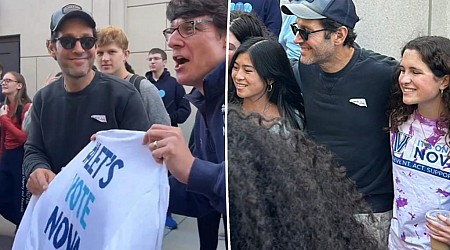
[68, 42]
[303, 33]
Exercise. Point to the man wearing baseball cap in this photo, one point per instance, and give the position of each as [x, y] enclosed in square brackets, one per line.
[77, 105]
[346, 90]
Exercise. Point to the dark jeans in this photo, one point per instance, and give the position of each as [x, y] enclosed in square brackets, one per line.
[12, 185]
[208, 230]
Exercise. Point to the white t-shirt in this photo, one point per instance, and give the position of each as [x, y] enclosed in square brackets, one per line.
[421, 172]
[112, 195]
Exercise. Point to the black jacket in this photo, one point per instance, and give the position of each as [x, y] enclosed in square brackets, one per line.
[172, 94]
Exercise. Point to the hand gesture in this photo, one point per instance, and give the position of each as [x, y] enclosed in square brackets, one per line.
[39, 180]
[167, 145]
[4, 110]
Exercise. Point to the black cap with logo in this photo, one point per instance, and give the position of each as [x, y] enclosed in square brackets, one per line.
[341, 11]
[70, 11]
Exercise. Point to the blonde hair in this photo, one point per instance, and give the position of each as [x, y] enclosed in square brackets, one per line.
[112, 35]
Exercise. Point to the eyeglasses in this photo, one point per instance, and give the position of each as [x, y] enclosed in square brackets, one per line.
[7, 81]
[68, 42]
[153, 59]
[303, 33]
[185, 29]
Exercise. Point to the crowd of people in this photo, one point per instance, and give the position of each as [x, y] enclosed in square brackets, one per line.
[62, 110]
[349, 98]
[330, 145]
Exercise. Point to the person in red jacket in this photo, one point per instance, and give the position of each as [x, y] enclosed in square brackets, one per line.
[13, 138]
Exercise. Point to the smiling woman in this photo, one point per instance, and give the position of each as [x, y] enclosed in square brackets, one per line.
[263, 82]
[420, 123]
[13, 139]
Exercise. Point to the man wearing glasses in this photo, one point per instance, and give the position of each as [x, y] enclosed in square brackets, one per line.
[77, 105]
[170, 91]
[197, 36]
[346, 90]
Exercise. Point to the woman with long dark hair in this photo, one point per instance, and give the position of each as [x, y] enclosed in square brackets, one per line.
[245, 25]
[13, 138]
[419, 125]
[262, 81]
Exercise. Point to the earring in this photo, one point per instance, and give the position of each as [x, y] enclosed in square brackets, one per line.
[442, 92]
[269, 88]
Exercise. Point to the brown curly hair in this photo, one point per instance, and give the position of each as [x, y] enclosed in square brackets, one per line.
[288, 192]
[435, 53]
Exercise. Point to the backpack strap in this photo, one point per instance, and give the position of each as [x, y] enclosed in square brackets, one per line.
[136, 81]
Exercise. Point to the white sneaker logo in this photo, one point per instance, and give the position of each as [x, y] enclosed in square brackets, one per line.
[359, 101]
[100, 118]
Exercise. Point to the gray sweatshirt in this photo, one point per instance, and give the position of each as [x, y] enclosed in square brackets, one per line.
[152, 102]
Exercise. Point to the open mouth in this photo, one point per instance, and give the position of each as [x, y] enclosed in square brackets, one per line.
[179, 61]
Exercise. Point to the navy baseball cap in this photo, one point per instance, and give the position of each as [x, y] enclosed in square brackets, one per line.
[341, 11]
[70, 11]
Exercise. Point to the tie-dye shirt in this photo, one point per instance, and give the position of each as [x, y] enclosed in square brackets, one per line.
[421, 175]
